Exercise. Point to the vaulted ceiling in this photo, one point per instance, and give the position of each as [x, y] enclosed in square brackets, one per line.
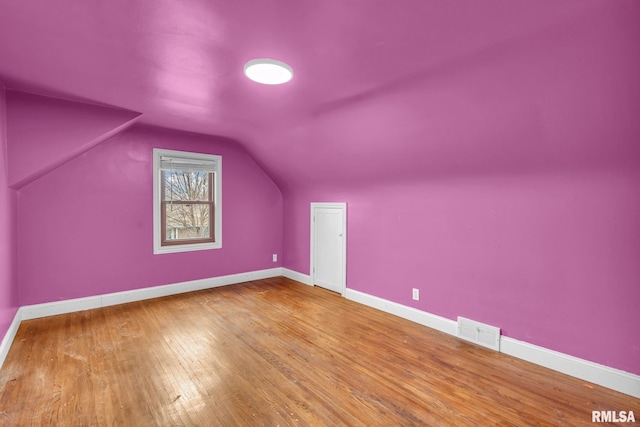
[414, 87]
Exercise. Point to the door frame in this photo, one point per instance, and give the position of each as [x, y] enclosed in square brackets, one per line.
[333, 205]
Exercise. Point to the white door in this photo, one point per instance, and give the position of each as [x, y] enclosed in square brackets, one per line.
[329, 245]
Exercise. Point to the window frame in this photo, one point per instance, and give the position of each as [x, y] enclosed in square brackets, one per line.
[160, 245]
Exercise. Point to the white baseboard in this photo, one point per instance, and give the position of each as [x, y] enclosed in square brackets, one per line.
[9, 336]
[298, 277]
[605, 376]
[78, 304]
[418, 316]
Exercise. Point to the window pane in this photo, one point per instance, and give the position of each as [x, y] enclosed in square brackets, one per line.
[187, 221]
[187, 208]
[186, 185]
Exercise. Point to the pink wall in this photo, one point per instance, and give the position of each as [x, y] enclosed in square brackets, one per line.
[502, 182]
[504, 185]
[86, 227]
[8, 265]
[551, 259]
[70, 128]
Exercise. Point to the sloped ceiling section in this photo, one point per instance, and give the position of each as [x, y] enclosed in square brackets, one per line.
[369, 75]
[564, 98]
[44, 133]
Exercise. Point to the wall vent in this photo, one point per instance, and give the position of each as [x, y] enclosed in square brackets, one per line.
[479, 333]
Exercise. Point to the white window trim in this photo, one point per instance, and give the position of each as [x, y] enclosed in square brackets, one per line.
[157, 243]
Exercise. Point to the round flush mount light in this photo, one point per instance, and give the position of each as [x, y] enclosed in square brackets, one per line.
[268, 71]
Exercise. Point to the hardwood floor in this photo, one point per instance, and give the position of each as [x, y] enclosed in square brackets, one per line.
[274, 352]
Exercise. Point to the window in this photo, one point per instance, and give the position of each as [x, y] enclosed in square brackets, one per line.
[187, 194]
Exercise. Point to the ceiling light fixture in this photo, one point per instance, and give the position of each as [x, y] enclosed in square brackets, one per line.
[268, 71]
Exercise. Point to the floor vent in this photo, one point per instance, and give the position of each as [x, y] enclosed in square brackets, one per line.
[479, 333]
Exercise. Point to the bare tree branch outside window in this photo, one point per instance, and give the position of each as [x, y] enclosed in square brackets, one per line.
[187, 201]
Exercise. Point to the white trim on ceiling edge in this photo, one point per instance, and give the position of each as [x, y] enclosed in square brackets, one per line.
[605, 376]
[615, 379]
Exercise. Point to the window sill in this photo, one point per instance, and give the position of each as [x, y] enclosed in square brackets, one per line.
[185, 248]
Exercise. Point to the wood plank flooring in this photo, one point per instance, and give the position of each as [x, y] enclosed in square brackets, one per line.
[274, 353]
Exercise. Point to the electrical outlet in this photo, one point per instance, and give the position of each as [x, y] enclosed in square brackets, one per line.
[275, 257]
[416, 294]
